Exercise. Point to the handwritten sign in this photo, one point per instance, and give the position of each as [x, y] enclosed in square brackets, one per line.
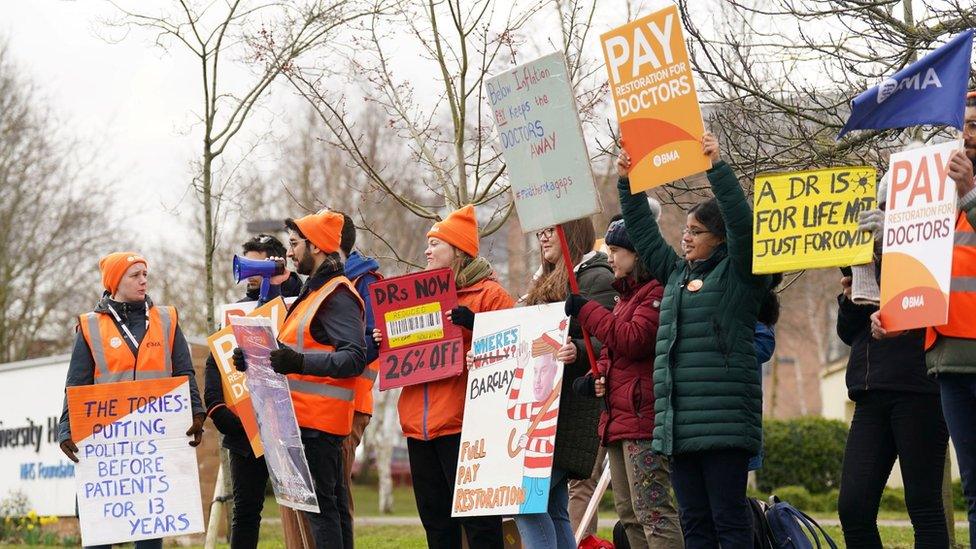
[419, 343]
[511, 409]
[541, 139]
[919, 230]
[284, 452]
[136, 475]
[654, 95]
[222, 344]
[808, 220]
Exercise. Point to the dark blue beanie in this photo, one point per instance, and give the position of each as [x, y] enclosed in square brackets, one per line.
[617, 236]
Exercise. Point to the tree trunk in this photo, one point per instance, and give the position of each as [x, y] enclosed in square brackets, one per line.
[386, 435]
[209, 239]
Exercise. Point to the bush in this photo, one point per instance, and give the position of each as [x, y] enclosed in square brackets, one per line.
[826, 503]
[797, 496]
[958, 501]
[893, 499]
[804, 452]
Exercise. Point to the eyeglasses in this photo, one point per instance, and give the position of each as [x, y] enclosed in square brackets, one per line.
[693, 232]
[969, 128]
[545, 233]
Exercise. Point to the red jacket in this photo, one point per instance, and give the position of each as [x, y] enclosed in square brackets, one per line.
[627, 359]
[435, 409]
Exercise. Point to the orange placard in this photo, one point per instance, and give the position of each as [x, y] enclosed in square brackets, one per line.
[654, 95]
[91, 407]
[236, 395]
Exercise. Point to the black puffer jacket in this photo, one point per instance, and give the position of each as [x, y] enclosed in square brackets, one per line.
[895, 364]
[577, 440]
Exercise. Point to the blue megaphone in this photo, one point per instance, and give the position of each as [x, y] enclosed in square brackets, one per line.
[245, 268]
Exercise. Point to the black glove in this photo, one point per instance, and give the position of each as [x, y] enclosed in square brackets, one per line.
[226, 421]
[585, 386]
[463, 317]
[196, 429]
[574, 304]
[239, 363]
[287, 361]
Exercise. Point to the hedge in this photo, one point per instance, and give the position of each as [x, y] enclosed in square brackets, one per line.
[807, 452]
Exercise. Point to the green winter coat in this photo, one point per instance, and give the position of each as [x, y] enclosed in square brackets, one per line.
[707, 394]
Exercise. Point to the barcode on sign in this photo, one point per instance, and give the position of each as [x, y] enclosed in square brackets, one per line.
[414, 325]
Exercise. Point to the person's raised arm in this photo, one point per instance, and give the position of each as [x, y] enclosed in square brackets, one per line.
[659, 258]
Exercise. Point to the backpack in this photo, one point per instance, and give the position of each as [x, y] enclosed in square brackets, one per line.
[762, 536]
[789, 527]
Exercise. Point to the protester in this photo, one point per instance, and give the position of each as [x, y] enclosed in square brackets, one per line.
[897, 414]
[127, 337]
[361, 271]
[431, 413]
[951, 349]
[708, 410]
[641, 480]
[577, 442]
[322, 353]
[249, 474]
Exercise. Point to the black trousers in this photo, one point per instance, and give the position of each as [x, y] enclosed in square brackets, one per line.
[332, 525]
[433, 466]
[249, 476]
[710, 487]
[886, 425]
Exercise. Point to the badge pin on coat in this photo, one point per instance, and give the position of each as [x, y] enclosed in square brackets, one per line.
[695, 285]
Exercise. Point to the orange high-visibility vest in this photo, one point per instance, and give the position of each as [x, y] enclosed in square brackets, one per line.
[364, 383]
[114, 360]
[962, 289]
[322, 403]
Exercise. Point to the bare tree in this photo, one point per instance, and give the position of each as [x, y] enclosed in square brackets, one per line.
[778, 75]
[268, 38]
[448, 130]
[54, 216]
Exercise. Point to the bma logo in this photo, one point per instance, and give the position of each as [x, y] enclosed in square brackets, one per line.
[666, 157]
[912, 302]
[914, 82]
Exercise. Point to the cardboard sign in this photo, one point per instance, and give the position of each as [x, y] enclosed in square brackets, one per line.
[222, 345]
[271, 399]
[808, 220]
[654, 95]
[419, 343]
[539, 132]
[919, 230]
[511, 409]
[137, 475]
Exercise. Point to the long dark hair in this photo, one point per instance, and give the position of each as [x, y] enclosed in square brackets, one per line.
[769, 309]
[708, 214]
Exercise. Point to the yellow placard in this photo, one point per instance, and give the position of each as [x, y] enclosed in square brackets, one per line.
[808, 220]
[414, 324]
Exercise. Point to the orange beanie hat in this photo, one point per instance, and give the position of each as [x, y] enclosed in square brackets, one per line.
[114, 266]
[460, 230]
[324, 229]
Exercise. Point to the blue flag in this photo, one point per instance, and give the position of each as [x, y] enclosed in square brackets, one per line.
[931, 91]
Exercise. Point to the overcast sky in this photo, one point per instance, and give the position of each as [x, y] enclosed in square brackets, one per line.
[134, 102]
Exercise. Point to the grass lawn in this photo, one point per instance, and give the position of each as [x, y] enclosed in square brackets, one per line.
[412, 537]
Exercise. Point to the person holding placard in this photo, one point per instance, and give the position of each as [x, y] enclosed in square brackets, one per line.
[577, 443]
[951, 349]
[431, 413]
[125, 338]
[249, 474]
[640, 478]
[322, 352]
[708, 409]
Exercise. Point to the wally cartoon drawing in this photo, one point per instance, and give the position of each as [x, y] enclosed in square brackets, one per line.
[538, 440]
